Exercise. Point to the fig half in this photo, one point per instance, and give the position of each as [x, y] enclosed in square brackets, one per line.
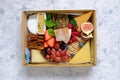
[87, 28]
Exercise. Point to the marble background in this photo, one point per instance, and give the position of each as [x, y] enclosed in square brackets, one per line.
[108, 41]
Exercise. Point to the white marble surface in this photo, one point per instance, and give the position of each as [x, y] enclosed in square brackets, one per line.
[108, 41]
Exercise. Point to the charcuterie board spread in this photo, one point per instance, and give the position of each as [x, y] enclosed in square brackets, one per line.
[59, 38]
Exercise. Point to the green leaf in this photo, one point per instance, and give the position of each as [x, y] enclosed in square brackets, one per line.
[50, 24]
[47, 22]
[73, 22]
[54, 24]
[51, 32]
[48, 16]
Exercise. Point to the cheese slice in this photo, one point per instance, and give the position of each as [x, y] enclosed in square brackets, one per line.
[83, 54]
[37, 57]
[82, 18]
[41, 23]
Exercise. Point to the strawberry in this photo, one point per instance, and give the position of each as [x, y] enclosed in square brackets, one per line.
[45, 45]
[47, 36]
[51, 42]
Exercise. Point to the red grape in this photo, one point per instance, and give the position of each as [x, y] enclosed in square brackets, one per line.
[57, 45]
[59, 50]
[51, 59]
[58, 59]
[53, 56]
[53, 51]
[48, 50]
[47, 57]
[63, 53]
[57, 54]
[65, 58]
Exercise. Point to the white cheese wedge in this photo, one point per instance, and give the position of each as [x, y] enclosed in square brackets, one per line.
[32, 24]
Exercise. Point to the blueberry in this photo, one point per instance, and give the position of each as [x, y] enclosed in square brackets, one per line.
[63, 46]
[72, 55]
[81, 44]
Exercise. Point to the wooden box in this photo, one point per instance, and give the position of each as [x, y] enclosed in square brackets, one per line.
[25, 32]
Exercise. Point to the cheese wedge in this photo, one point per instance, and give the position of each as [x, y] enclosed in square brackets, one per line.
[37, 57]
[82, 18]
[83, 55]
[32, 24]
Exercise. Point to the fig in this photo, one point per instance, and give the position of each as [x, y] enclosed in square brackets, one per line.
[87, 28]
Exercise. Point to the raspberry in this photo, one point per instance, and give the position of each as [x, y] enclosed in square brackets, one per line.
[78, 33]
[69, 25]
[70, 41]
[74, 38]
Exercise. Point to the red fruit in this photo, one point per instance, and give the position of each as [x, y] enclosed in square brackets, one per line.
[48, 50]
[59, 50]
[57, 45]
[51, 59]
[58, 59]
[47, 57]
[87, 27]
[70, 41]
[51, 42]
[45, 45]
[74, 38]
[73, 34]
[53, 51]
[78, 33]
[57, 54]
[53, 56]
[74, 29]
[63, 53]
[65, 58]
[70, 25]
[47, 36]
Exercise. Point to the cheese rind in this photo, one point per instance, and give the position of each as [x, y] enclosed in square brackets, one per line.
[82, 18]
[83, 55]
[37, 57]
[32, 24]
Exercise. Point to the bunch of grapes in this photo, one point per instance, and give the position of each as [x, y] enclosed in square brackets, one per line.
[56, 54]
